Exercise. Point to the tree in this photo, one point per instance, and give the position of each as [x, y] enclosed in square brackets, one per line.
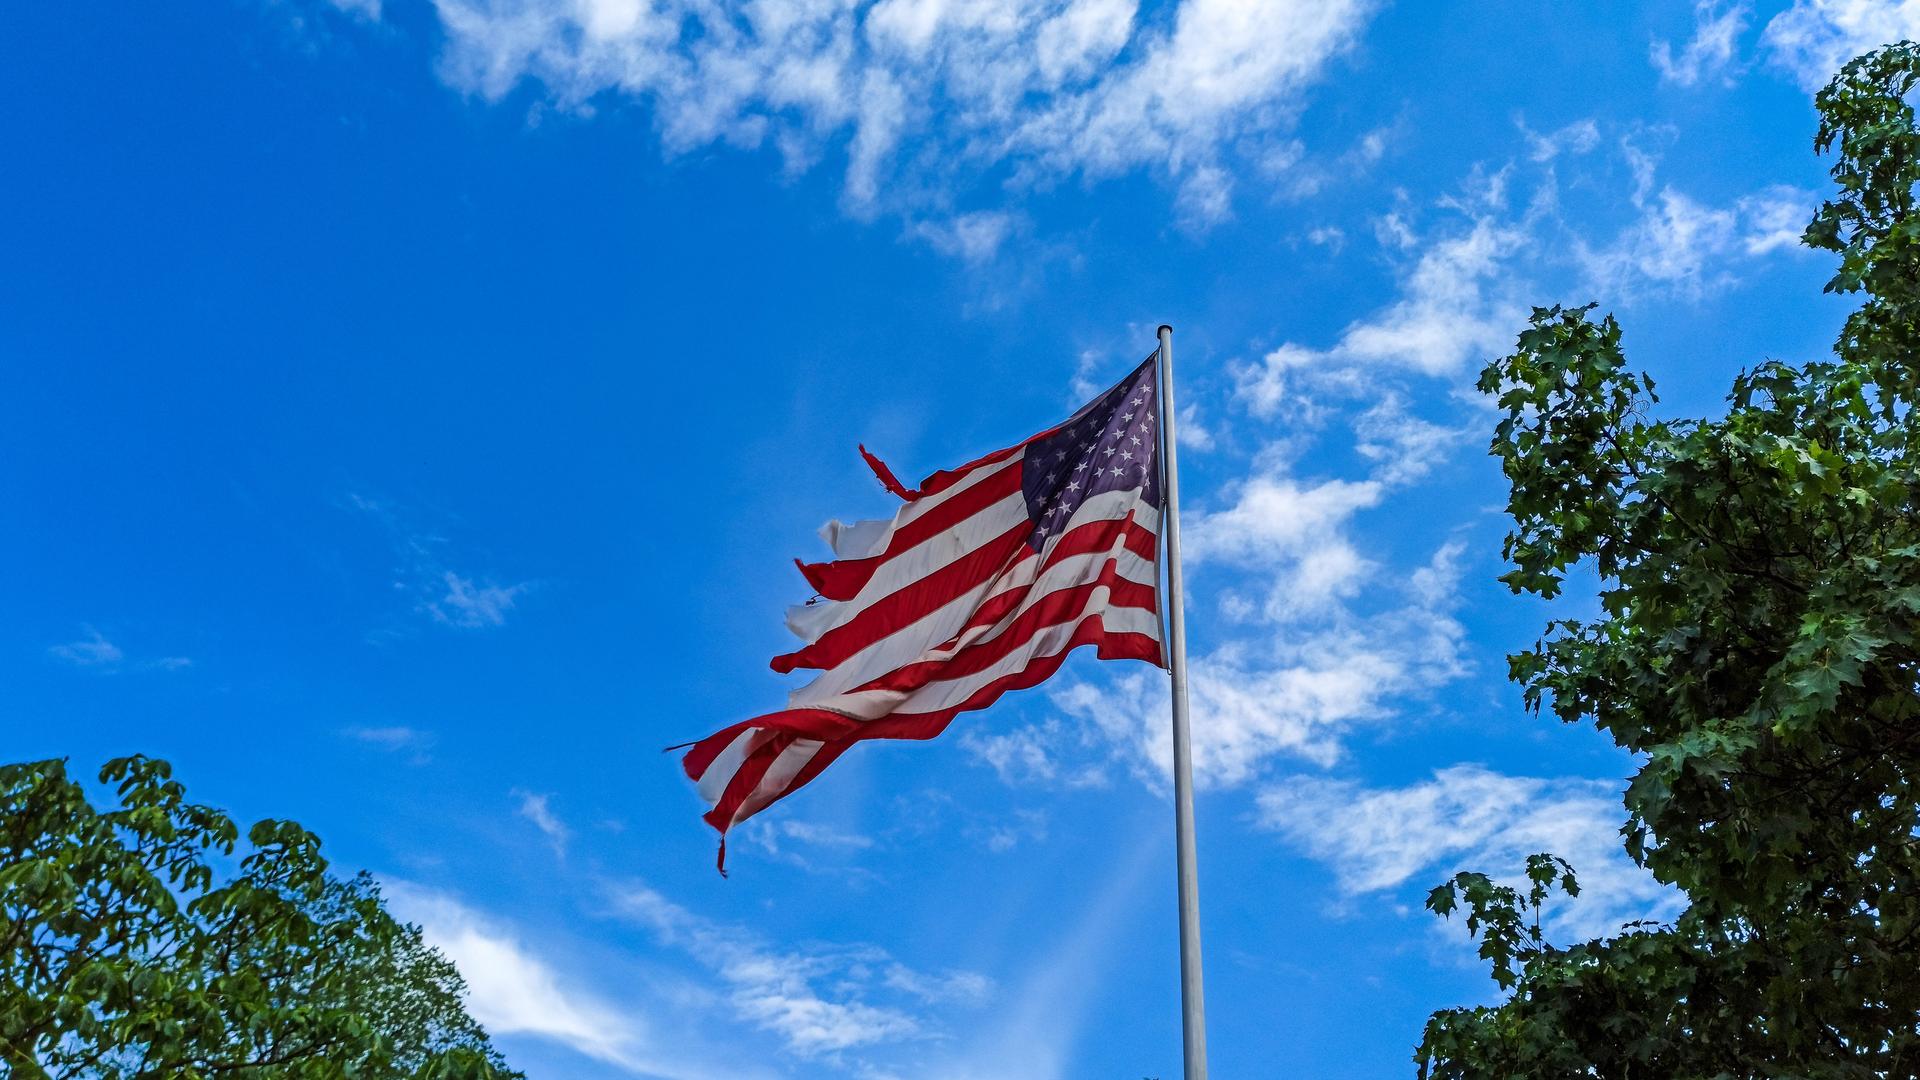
[135, 946]
[1759, 596]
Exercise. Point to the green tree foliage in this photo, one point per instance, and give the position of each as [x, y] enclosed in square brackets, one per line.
[146, 941]
[1755, 648]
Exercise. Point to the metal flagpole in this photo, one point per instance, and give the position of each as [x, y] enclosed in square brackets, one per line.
[1193, 1019]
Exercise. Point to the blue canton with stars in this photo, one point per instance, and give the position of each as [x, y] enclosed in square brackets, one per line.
[1107, 446]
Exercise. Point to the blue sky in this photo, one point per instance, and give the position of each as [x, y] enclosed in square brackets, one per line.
[409, 412]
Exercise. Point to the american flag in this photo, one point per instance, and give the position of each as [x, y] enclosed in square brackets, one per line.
[984, 580]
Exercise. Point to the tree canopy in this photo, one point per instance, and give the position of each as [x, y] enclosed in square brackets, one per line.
[1759, 593]
[147, 941]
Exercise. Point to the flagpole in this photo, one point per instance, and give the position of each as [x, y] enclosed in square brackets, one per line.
[1193, 1022]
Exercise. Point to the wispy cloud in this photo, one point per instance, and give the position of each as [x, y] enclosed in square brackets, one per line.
[1377, 840]
[1349, 636]
[1710, 55]
[468, 605]
[929, 100]
[92, 651]
[1681, 246]
[1813, 38]
[1030, 754]
[820, 1001]
[444, 595]
[538, 809]
[95, 653]
[396, 738]
[513, 991]
[1298, 697]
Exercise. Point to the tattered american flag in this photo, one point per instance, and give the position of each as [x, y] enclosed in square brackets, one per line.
[982, 582]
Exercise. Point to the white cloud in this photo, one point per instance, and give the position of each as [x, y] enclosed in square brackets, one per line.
[1297, 695]
[928, 96]
[956, 987]
[1814, 38]
[974, 237]
[473, 606]
[1403, 446]
[1034, 753]
[1194, 433]
[395, 738]
[1274, 517]
[1456, 306]
[538, 809]
[1019, 756]
[815, 1001]
[1684, 247]
[512, 991]
[1717, 27]
[1328, 236]
[1775, 218]
[92, 651]
[1296, 533]
[820, 835]
[1577, 138]
[448, 597]
[1470, 818]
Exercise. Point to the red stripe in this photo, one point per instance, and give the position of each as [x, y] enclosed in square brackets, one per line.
[1052, 609]
[745, 779]
[822, 758]
[898, 611]
[1091, 631]
[843, 579]
[701, 757]
[913, 602]
[887, 479]
[822, 724]
[1085, 539]
[946, 478]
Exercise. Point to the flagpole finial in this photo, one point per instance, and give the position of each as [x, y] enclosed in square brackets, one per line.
[1165, 328]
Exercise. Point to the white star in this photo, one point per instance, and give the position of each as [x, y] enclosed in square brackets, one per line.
[1108, 451]
[1075, 486]
[1135, 402]
[1082, 467]
[1127, 416]
[1126, 455]
[1134, 439]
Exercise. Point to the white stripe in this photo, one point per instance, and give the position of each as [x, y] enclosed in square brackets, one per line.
[914, 641]
[1067, 574]
[1048, 641]
[809, 621]
[937, 552]
[778, 776]
[860, 540]
[919, 508]
[713, 783]
[900, 648]
[913, 511]
[945, 693]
